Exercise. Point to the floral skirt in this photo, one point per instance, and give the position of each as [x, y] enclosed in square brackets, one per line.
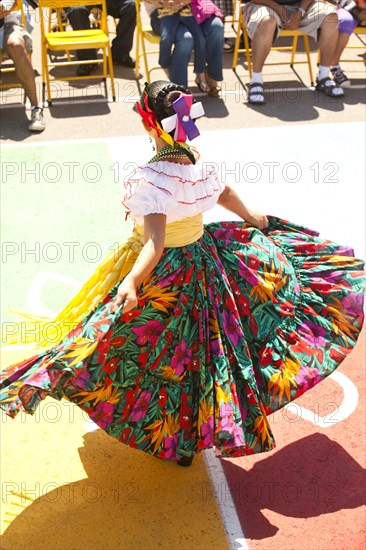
[227, 330]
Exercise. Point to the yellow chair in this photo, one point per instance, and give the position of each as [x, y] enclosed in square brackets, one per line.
[247, 50]
[7, 65]
[358, 31]
[74, 40]
[144, 32]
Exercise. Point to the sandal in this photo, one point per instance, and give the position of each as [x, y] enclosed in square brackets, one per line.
[202, 85]
[228, 45]
[256, 93]
[329, 87]
[214, 91]
[213, 87]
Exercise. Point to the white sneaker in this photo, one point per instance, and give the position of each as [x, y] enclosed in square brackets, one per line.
[340, 78]
[37, 123]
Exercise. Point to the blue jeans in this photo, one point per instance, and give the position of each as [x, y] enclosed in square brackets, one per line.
[213, 30]
[168, 28]
[183, 47]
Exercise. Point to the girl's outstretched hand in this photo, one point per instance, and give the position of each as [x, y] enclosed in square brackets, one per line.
[126, 295]
[257, 219]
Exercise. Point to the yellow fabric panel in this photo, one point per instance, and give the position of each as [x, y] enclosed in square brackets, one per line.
[43, 332]
[180, 233]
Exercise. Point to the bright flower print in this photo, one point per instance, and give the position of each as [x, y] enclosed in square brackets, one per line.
[352, 303]
[140, 407]
[103, 414]
[312, 333]
[227, 330]
[307, 378]
[181, 358]
[232, 327]
[148, 333]
[170, 444]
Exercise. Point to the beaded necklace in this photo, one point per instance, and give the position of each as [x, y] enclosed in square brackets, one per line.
[168, 153]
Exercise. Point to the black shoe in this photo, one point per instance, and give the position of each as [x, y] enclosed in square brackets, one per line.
[85, 70]
[185, 461]
[125, 60]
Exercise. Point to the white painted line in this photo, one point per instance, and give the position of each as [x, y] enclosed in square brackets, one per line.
[227, 507]
[336, 414]
[351, 395]
[34, 292]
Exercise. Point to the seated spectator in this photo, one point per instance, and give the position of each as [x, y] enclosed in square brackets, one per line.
[182, 49]
[79, 20]
[208, 38]
[125, 12]
[350, 16]
[16, 43]
[264, 18]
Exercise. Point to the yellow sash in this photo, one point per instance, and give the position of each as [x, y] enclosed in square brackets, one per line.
[180, 233]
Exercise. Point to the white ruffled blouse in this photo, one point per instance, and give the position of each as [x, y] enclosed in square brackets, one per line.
[177, 190]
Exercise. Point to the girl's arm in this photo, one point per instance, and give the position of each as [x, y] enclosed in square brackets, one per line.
[231, 201]
[154, 235]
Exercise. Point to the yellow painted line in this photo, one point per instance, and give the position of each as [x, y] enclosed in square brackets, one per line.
[64, 488]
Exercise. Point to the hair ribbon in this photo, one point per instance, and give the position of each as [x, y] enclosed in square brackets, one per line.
[182, 120]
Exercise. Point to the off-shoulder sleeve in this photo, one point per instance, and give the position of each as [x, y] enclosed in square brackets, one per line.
[176, 190]
[145, 196]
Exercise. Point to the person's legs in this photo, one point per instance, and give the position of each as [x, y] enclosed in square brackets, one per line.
[168, 28]
[321, 23]
[328, 38]
[18, 46]
[262, 42]
[125, 12]
[346, 25]
[327, 41]
[79, 20]
[262, 24]
[181, 55]
[213, 30]
[199, 45]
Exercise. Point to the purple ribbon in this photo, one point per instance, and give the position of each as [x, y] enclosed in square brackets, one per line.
[185, 126]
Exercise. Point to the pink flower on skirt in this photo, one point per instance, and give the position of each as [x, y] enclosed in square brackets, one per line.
[170, 444]
[103, 414]
[312, 333]
[207, 429]
[82, 378]
[248, 274]
[141, 405]
[148, 333]
[232, 327]
[181, 358]
[307, 377]
[352, 303]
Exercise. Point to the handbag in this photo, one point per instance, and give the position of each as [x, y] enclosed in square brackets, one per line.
[204, 9]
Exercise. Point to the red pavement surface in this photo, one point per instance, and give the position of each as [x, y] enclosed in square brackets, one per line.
[309, 493]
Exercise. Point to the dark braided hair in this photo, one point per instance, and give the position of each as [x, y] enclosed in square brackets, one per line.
[161, 95]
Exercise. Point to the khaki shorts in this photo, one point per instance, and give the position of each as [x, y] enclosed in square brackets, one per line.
[18, 31]
[314, 17]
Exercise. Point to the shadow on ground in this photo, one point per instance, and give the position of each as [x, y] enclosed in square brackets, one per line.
[128, 500]
[311, 477]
